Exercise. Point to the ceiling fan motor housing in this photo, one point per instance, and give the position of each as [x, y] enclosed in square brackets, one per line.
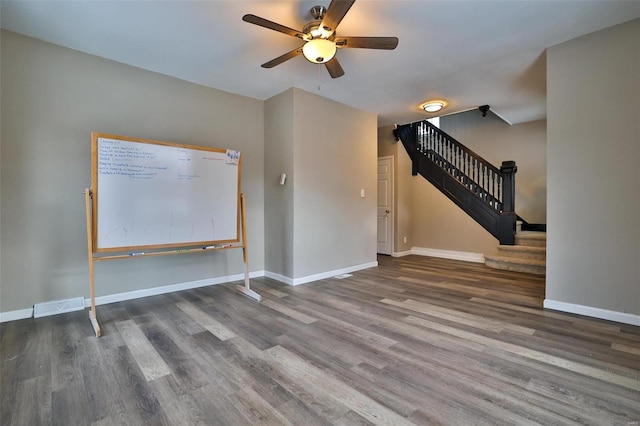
[313, 30]
[318, 12]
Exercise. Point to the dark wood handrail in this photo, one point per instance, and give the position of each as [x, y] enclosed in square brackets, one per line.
[460, 145]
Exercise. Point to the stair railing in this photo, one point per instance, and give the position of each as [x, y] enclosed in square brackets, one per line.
[469, 168]
[428, 146]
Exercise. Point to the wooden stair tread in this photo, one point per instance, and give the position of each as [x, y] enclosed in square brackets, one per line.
[517, 264]
[531, 238]
[515, 260]
[519, 251]
[532, 234]
[523, 248]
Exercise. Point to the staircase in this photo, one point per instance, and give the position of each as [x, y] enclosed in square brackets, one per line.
[528, 254]
[486, 193]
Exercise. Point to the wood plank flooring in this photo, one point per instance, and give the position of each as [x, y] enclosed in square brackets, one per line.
[416, 340]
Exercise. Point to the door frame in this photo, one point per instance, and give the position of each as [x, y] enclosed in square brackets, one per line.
[393, 201]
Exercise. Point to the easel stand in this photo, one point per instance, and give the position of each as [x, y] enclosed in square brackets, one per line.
[92, 312]
[246, 289]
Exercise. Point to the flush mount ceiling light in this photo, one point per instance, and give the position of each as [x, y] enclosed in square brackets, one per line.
[433, 106]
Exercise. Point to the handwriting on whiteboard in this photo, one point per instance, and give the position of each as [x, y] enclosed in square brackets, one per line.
[157, 194]
[136, 161]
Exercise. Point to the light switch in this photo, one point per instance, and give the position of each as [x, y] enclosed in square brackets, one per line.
[362, 193]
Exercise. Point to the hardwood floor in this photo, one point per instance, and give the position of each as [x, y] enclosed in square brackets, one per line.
[417, 340]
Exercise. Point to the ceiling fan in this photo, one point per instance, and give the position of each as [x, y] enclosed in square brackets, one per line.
[320, 39]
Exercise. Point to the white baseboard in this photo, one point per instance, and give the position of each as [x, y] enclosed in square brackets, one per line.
[401, 253]
[135, 294]
[320, 276]
[16, 315]
[449, 254]
[278, 277]
[592, 312]
[154, 291]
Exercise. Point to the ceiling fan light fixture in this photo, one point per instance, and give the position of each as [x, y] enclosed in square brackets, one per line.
[433, 106]
[319, 50]
[318, 32]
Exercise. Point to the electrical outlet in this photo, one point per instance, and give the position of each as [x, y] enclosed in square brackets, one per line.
[405, 240]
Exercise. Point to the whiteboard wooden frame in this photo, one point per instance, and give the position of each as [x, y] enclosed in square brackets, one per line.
[97, 248]
[96, 255]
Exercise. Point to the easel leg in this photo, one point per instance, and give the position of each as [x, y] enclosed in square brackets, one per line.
[246, 290]
[92, 313]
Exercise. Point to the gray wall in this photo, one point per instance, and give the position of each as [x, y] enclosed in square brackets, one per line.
[52, 99]
[317, 221]
[1, 34]
[593, 158]
[440, 224]
[334, 158]
[278, 159]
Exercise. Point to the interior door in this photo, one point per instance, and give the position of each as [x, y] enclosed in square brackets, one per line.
[385, 205]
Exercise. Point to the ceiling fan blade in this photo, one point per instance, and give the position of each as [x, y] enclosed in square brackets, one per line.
[253, 19]
[334, 68]
[335, 12]
[387, 43]
[280, 59]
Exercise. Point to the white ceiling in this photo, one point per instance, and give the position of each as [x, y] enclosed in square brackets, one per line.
[469, 53]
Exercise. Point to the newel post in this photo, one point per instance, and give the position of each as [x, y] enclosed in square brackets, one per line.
[415, 158]
[507, 226]
[509, 170]
[408, 134]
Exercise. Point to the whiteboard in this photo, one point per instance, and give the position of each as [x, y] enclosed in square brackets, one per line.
[150, 194]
